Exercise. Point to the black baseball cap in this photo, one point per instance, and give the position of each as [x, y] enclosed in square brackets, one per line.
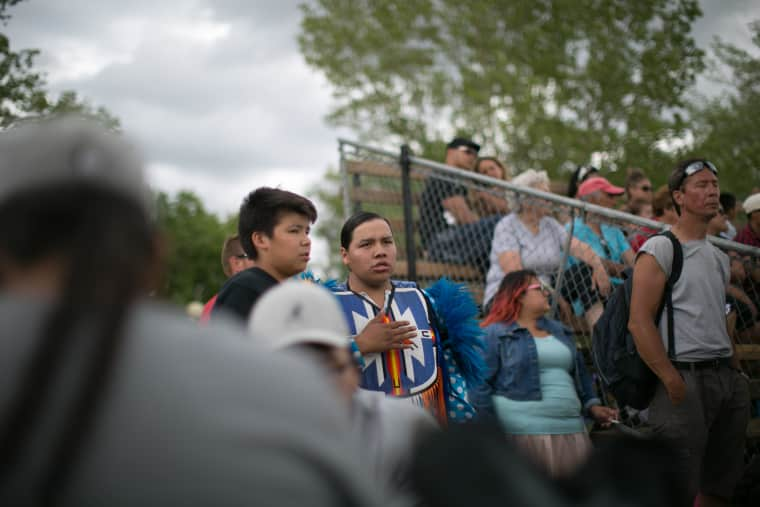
[463, 141]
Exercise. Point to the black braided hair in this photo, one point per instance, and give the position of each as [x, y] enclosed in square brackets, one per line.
[105, 242]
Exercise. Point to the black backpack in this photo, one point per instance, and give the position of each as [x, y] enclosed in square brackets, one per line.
[616, 359]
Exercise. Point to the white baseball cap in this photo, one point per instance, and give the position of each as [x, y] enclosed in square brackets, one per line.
[751, 204]
[298, 312]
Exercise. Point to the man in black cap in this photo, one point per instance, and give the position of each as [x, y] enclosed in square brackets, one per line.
[450, 230]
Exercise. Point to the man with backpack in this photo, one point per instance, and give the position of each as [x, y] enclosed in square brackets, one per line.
[701, 400]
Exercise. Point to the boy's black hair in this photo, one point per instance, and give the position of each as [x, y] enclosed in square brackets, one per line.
[347, 231]
[64, 221]
[262, 210]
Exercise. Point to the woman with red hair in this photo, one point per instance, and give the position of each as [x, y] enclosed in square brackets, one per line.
[536, 386]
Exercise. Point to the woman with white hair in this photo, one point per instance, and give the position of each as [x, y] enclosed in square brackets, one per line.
[530, 238]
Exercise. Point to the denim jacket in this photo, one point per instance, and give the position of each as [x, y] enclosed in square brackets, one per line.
[512, 366]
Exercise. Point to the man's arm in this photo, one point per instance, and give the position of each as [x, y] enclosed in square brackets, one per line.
[457, 206]
[649, 279]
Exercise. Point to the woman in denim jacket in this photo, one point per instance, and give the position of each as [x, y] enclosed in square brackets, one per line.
[536, 385]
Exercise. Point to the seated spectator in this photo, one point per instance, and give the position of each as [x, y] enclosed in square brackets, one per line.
[109, 399]
[450, 230]
[728, 202]
[581, 174]
[608, 242]
[529, 238]
[304, 318]
[536, 384]
[664, 211]
[637, 186]
[489, 202]
[234, 260]
[750, 234]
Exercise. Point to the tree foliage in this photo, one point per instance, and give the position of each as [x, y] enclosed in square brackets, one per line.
[22, 88]
[543, 83]
[725, 128]
[194, 240]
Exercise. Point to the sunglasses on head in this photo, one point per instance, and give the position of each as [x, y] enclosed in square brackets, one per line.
[697, 166]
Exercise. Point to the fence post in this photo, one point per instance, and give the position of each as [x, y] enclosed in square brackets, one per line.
[406, 192]
[562, 264]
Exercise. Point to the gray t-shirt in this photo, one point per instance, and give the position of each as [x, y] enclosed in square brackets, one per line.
[699, 298]
[190, 417]
[540, 252]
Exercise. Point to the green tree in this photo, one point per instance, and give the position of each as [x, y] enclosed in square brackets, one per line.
[194, 240]
[22, 88]
[542, 83]
[725, 128]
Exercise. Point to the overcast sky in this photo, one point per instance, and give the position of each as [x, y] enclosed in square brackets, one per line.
[215, 91]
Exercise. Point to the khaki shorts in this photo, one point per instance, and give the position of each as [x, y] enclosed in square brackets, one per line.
[708, 428]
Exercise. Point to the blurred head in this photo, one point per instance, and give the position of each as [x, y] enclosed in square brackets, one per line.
[234, 258]
[274, 227]
[305, 318]
[520, 294]
[642, 209]
[490, 166]
[718, 223]
[462, 153]
[581, 174]
[638, 186]
[368, 249]
[532, 179]
[693, 186]
[728, 202]
[663, 207]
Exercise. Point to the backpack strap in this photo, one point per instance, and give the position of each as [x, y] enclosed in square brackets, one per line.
[675, 273]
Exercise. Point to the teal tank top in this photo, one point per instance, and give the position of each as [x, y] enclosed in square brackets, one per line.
[558, 411]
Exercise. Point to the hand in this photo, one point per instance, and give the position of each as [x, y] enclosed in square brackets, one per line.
[601, 280]
[676, 388]
[379, 336]
[604, 415]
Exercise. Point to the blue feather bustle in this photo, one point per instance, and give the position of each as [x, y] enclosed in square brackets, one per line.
[457, 311]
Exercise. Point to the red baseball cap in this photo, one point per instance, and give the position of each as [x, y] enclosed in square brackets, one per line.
[591, 185]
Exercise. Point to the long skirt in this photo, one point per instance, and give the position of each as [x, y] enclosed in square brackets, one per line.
[560, 455]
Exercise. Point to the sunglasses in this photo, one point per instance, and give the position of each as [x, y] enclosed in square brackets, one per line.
[541, 286]
[242, 256]
[467, 150]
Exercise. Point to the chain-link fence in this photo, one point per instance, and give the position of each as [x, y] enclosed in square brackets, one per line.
[473, 228]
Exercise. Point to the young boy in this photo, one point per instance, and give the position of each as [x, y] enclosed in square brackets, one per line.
[274, 227]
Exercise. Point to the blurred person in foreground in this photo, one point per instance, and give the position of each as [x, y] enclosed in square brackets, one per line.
[234, 260]
[701, 402]
[530, 238]
[536, 385]
[305, 318]
[108, 399]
